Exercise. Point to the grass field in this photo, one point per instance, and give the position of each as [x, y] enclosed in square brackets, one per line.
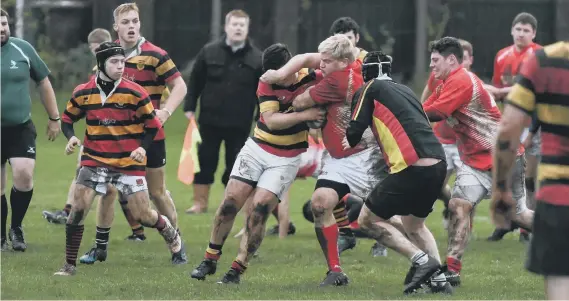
[286, 269]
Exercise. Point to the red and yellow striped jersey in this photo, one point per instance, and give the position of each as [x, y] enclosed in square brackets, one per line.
[398, 122]
[151, 67]
[115, 124]
[286, 142]
[543, 86]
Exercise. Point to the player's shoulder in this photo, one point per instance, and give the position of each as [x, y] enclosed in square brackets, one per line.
[130, 87]
[149, 48]
[504, 52]
[461, 77]
[264, 89]
[559, 50]
[85, 88]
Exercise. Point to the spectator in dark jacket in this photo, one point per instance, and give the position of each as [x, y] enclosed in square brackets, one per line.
[224, 78]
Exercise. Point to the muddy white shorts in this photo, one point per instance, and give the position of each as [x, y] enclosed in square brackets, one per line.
[259, 168]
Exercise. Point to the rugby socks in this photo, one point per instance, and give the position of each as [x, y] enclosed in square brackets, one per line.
[341, 216]
[160, 223]
[328, 239]
[213, 251]
[454, 265]
[4, 216]
[239, 267]
[137, 228]
[67, 209]
[20, 201]
[102, 237]
[420, 258]
[73, 236]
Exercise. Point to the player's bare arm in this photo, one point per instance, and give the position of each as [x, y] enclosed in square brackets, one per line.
[303, 101]
[48, 100]
[509, 132]
[279, 121]
[178, 90]
[426, 93]
[307, 60]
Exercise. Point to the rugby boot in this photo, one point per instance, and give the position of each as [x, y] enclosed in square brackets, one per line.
[499, 234]
[409, 275]
[66, 270]
[275, 230]
[180, 257]
[378, 250]
[16, 236]
[440, 287]
[136, 237]
[206, 267]
[231, 277]
[335, 279]
[93, 255]
[56, 217]
[346, 242]
[422, 274]
[453, 278]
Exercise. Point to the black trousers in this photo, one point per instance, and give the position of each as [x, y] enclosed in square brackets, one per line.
[208, 151]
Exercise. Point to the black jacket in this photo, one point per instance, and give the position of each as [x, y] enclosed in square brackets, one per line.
[226, 84]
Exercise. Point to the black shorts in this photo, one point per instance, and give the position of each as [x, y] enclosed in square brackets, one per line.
[411, 191]
[19, 141]
[156, 154]
[549, 247]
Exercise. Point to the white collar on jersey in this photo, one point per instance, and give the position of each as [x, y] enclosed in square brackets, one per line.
[138, 49]
[104, 97]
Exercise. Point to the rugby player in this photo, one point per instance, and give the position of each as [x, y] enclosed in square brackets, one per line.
[152, 68]
[344, 171]
[121, 126]
[542, 86]
[20, 63]
[471, 111]
[417, 170]
[265, 167]
[507, 63]
[95, 38]
[445, 134]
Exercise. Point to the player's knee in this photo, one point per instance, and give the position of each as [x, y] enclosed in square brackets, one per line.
[145, 217]
[228, 209]
[307, 211]
[460, 208]
[260, 214]
[157, 193]
[322, 201]
[23, 178]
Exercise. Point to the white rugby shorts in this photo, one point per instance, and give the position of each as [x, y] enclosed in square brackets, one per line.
[259, 168]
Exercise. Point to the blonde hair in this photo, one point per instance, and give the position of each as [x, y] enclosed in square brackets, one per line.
[99, 35]
[339, 47]
[466, 46]
[125, 8]
[237, 13]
